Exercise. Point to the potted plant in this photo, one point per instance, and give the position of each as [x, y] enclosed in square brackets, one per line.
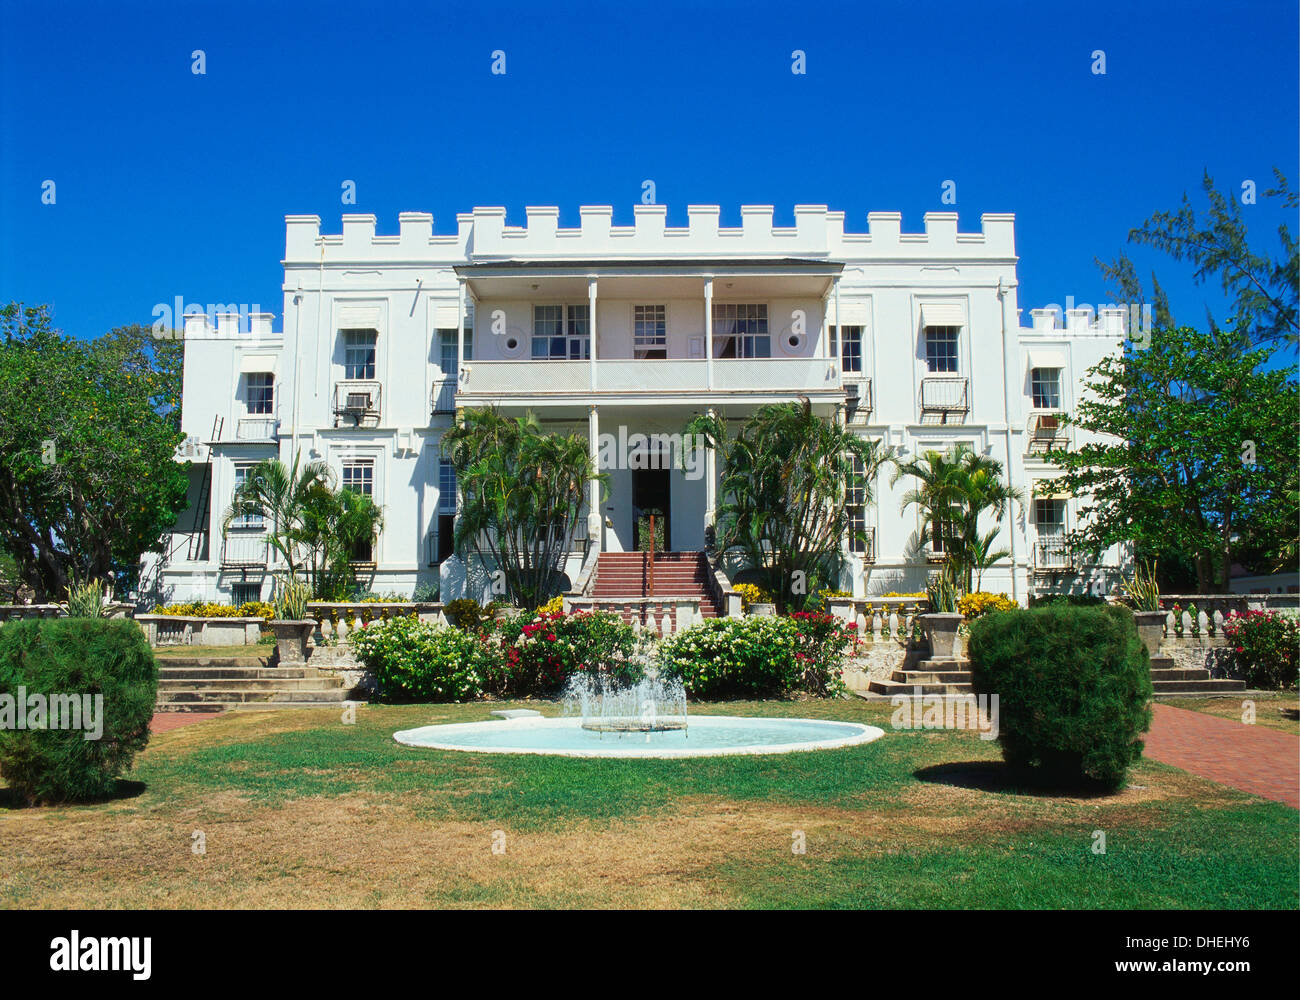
[1144, 592]
[942, 623]
[291, 626]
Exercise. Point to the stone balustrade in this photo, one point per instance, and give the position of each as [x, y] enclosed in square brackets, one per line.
[338, 618]
[189, 630]
[21, 612]
[660, 616]
[1203, 615]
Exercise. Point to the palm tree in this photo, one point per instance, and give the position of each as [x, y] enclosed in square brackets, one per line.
[786, 481]
[280, 495]
[521, 492]
[336, 528]
[954, 490]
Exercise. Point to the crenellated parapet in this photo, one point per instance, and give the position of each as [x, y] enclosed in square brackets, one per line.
[486, 233]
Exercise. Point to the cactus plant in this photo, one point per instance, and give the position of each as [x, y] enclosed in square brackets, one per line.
[1143, 590]
[291, 600]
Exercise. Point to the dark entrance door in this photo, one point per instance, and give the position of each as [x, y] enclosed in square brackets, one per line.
[650, 494]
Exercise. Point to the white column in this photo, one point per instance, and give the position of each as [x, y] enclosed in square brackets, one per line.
[460, 327]
[591, 325]
[708, 332]
[593, 486]
[839, 326]
[710, 483]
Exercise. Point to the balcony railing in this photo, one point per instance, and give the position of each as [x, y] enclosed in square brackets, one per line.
[857, 393]
[256, 428]
[944, 396]
[652, 377]
[1045, 431]
[443, 398]
[245, 550]
[1052, 554]
[357, 401]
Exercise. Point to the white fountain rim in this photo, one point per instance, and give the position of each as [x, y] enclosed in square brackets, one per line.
[864, 734]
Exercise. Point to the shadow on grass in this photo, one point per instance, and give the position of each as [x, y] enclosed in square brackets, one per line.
[999, 776]
[10, 799]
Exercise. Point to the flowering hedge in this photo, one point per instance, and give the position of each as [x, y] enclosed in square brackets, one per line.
[758, 657]
[201, 609]
[1264, 645]
[978, 604]
[423, 661]
[538, 653]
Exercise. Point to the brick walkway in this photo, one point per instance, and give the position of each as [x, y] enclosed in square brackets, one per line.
[165, 722]
[1255, 759]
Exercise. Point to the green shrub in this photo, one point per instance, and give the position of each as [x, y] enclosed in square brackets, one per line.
[426, 593]
[540, 652]
[1073, 687]
[1070, 600]
[752, 657]
[1264, 645]
[75, 657]
[423, 661]
[465, 614]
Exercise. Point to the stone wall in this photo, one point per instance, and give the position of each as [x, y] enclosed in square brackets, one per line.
[875, 661]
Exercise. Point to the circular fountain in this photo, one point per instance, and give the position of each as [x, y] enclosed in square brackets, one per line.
[647, 719]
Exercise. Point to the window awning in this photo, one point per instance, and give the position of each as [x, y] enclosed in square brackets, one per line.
[258, 363]
[1048, 357]
[445, 316]
[942, 314]
[850, 313]
[1048, 490]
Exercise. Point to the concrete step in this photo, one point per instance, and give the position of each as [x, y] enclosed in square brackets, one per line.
[233, 696]
[168, 662]
[170, 685]
[1174, 674]
[892, 687]
[236, 673]
[931, 676]
[1198, 686]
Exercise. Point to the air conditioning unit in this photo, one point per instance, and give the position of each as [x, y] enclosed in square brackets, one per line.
[851, 391]
[357, 402]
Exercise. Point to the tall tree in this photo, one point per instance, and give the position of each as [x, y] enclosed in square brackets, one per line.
[1201, 453]
[521, 491]
[787, 478]
[88, 432]
[1263, 289]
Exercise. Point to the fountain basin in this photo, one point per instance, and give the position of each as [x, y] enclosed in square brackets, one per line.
[707, 736]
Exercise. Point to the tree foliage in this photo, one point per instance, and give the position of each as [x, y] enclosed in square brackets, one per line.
[786, 481]
[1262, 289]
[88, 433]
[1202, 456]
[521, 491]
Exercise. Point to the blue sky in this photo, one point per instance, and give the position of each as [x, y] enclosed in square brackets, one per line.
[169, 183]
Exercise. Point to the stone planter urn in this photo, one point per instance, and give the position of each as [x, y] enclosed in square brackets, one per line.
[941, 632]
[841, 607]
[291, 637]
[762, 609]
[1151, 629]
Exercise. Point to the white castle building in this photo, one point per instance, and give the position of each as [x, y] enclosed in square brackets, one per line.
[617, 331]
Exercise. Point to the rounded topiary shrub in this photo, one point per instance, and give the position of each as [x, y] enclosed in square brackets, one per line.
[94, 679]
[422, 661]
[1073, 687]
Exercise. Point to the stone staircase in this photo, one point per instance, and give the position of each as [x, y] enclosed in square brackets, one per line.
[626, 575]
[214, 684]
[935, 676]
[1168, 679]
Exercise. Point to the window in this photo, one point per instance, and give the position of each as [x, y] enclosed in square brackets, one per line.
[245, 520]
[856, 505]
[260, 392]
[359, 354]
[941, 348]
[359, 476]
[850, 338]
[1049, 516]
[447, 351]
[1045, 386]
[740, 331]
[446, 510]
[243, 593]
[650, 332]
[940, 533]
[561, 333]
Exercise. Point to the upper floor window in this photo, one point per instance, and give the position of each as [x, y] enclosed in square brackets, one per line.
[650, 332]
[1049, 516]
[561, 332]
[259, 392]
[359, 354]
[447, 360]
[941, 348]
[740, 330]
[359, 476]
[850, 338]
[1045, 386]
[245, 520]
[446, 487]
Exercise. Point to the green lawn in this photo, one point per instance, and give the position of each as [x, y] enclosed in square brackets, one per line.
[297, 809]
